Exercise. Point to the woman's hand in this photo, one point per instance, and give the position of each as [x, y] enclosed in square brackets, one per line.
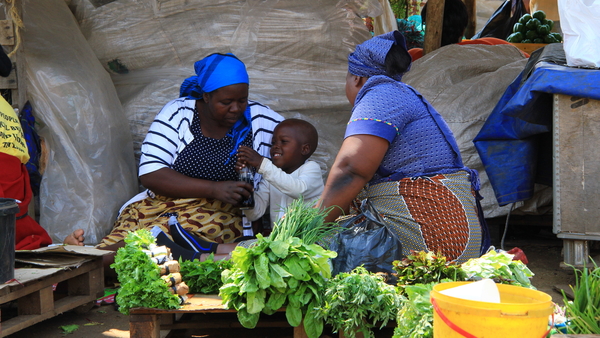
[168, 182]
[233, 192]
[248, 156]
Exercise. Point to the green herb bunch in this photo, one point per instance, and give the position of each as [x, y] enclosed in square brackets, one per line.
[204, 277]
[139, 276]
[415, 318]
[286, 269]
[499, 266]
[582, 311]
[358, 301]
[424, 267]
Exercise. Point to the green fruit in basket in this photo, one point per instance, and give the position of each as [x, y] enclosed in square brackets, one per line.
[540, 15]
[525, 18]
[543, 30]
[556, 36]
[515, 37]
[533, 24]
[519, 27]
[526, 41]
[532, 34]
[549, 22]
[538, 40]
[549, 39]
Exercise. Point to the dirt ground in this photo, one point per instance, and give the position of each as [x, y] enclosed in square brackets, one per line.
[541, 247]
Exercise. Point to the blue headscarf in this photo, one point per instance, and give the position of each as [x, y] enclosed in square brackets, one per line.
[368, 58]
[213, 72]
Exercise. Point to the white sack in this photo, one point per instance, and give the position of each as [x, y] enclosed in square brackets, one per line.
[90, 170]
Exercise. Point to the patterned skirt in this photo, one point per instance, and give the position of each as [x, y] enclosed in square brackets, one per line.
[431, 213]
[211, 220]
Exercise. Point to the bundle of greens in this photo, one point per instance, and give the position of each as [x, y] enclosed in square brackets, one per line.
[500, 267]
[357, 302]
[139, 276]
[582, 311]
[426, 267]
[286, 269]
[204, 277]
[415, 318]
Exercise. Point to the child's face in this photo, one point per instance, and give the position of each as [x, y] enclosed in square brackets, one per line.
[287, 152]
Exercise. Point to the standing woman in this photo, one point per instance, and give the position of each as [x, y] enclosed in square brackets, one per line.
[399, 153]
[189, 154]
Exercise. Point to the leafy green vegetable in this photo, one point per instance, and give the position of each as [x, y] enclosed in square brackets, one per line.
[500, 267]
[583, 310]
[286, 269]
[415, 318]
[204, 277]
[139, 276]
[68, 329]
[426, 267]
[358, 301]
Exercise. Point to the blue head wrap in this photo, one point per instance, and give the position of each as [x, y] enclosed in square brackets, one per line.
[368, 58]
[213, 72]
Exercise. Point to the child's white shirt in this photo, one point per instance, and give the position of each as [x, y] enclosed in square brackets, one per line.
[278, 189]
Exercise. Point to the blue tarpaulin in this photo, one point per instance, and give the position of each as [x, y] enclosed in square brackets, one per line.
[515, 143]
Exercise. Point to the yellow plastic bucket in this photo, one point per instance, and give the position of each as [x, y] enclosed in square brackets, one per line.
[521, 313]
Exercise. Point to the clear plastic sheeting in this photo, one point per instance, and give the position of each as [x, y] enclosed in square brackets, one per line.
[464, 83]
[90, 170]
[295, 51]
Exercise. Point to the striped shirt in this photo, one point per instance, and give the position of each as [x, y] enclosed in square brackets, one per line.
[171, 132]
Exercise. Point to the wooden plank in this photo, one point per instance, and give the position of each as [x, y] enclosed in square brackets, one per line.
[7, 33]
[529, 47]
[144, 326]
[299, 332]
[37, 303]
[9, 82]
[433, 27]
[18, 291]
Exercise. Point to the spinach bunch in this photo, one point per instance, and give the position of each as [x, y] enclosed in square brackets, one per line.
[204, 277]
[358, 301]
[278, 273]
[286, 269]
[139, 276]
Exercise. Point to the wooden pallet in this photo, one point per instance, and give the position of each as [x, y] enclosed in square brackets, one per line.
[37, 301]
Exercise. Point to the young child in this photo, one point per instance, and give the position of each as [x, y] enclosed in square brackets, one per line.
[288, 175]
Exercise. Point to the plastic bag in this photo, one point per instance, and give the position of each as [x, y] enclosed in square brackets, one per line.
[500, 25]
[580, 23]
[367, 241]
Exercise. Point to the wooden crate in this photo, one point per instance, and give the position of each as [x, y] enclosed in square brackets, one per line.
[529, 47]
[37, 301]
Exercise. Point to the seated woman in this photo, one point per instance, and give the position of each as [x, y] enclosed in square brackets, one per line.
[189, 154]
[400, 154]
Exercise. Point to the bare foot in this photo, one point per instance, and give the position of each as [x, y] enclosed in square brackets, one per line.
[76, 238]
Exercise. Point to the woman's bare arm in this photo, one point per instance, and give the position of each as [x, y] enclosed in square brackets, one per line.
[168, 182]
[355, 164]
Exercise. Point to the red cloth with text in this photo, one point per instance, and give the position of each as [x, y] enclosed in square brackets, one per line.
[14, 183]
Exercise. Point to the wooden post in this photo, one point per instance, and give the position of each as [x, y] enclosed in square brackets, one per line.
[472, 12]
[433, 28]
[144, 326]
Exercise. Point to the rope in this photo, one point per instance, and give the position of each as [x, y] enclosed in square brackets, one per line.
[14, 15]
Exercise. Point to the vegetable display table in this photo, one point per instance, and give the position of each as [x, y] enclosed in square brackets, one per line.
[147, 323]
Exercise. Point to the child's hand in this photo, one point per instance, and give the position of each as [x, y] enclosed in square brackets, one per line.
[248, 156]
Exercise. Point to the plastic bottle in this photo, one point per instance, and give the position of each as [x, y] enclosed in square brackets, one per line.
[247, 176]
